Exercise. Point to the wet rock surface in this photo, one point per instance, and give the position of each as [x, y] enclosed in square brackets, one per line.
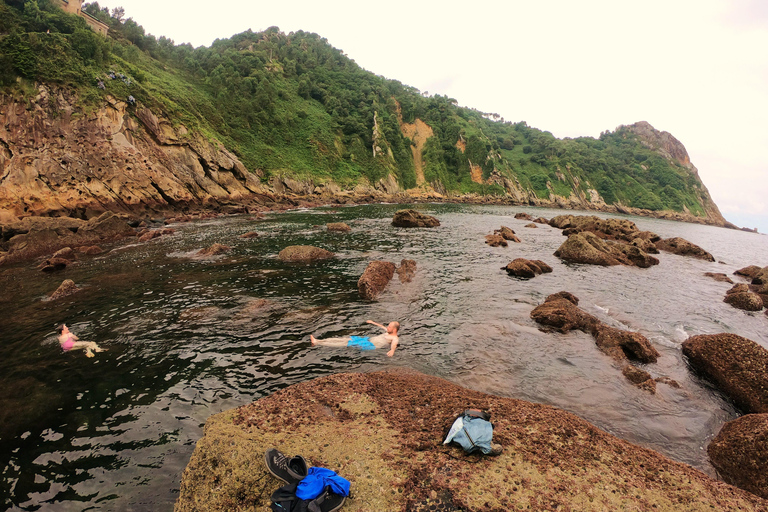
[560, 312]
[414, 219]
[586, 247]
[495, 240]
[683, 247]
[214, 250]
[376, 277]
[507, 234]
[739, 452]
[406, 271]
[736, 365]
[389, 446]
[67, 287]
[304, 253]
[521, 267]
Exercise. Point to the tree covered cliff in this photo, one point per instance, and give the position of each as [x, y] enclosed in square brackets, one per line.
[293, 105]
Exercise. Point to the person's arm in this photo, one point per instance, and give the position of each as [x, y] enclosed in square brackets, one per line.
[376, 324]
[393, 346]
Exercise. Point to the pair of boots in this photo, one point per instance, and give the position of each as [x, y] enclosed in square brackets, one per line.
[292, 471]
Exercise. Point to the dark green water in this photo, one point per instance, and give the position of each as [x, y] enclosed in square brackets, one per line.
[190, 337]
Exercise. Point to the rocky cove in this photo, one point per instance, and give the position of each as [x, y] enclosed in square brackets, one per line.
[192, 334]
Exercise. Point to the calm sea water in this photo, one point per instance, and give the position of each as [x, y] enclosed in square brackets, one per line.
[189, 337]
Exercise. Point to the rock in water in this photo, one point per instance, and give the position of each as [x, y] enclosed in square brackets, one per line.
[683, 247]
[214, 250]
[738, 366]
[507, 234]
[739, 452]
[304, 253]
[375, 278]
[338, 227]
[414, 219]
[521, 267]
[495, 240]
[67, 287]
[406, 271]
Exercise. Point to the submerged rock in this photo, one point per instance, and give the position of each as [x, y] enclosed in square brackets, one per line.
[67, 287]
[507, 234]
[376, 277]
[739, 452]
[414, 219]
[389, 446]
[304, 253]
[53, 264]
[406, 271]
[719, 276]
[214, 250]
[523, 216]
[338, 227]
[738, 367]
[683, 247]
[250, 234]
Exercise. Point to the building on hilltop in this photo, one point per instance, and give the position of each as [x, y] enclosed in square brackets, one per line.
[74, 6]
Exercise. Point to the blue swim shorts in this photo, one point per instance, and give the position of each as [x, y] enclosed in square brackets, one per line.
[362, 342]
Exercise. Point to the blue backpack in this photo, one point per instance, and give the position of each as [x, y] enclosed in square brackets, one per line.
[472, 430]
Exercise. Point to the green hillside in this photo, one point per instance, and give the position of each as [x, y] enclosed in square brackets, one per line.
[291, 104]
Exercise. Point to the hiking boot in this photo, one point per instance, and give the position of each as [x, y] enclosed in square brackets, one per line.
[496, 449]
[327, 502]
[290, 471]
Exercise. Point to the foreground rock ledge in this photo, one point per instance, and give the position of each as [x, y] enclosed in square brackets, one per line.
[383, 431]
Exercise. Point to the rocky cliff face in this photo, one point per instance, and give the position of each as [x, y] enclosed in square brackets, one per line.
[672, 149]
[57, 159]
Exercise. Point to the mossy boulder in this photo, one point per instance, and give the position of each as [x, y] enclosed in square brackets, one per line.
[383, 432]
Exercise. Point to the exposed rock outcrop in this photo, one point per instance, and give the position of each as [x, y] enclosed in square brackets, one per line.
[521, 267]
[738, 367]
[304, 253]
[586, 247]
[35, 236]
[376, 277]
[109, 160]
[683, 247]
[495, 240]
[414, 219]
[739, 452]
[389, 446]
[741, 297]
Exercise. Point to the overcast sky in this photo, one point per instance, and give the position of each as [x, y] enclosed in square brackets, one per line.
[695, 68]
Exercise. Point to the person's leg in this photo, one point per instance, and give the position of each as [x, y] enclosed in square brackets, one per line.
[330, 342]
[89, 346]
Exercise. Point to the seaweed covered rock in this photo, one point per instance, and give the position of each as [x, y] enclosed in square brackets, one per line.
[521, 267]
[683, 247]
[495, 240]
[414, 219]
[304, 253]
[586, 247]
[738, 367]
[739, 452]
[389, 446]
[376, 277]
[214, 250]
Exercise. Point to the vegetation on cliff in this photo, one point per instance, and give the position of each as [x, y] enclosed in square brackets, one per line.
[293, 105]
